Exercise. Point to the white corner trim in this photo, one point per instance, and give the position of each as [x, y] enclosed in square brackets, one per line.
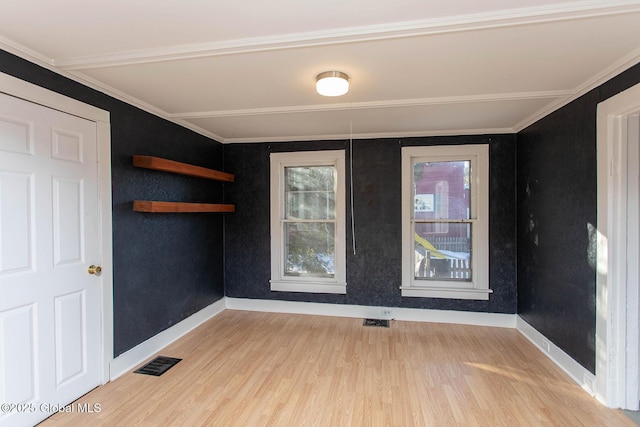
[361, 311]
[577, 372]
[143, 351]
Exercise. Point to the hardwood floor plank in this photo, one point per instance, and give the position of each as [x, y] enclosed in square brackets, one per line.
[262, 369]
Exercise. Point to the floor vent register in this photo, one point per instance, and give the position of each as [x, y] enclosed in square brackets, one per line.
[158, 366]
[381, 323]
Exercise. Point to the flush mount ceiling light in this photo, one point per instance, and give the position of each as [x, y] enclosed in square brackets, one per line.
[332, 83]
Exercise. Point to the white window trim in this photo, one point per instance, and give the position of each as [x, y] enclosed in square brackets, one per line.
[478, 289]
[280, 282]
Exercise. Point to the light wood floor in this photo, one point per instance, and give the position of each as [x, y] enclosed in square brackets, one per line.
[259, 369]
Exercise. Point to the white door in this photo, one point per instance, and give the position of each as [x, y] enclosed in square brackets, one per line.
[50, 307]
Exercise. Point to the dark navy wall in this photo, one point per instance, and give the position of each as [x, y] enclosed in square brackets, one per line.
[557, 196]
[374, 272]
[166, 266]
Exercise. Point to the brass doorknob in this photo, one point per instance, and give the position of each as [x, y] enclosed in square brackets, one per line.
[95, 269]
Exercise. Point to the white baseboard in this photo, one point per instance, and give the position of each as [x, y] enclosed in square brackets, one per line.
[143, 351]
[577, 372]
[361, 311]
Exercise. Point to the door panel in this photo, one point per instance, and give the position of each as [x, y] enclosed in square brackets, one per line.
[50, 306]
[67, 220]
[17, 135]
[70, 324]
[66, 146]
[17, 354]
[16, 222]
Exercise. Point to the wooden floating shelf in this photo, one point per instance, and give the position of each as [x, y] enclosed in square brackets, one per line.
[160, 164]
[179, 207]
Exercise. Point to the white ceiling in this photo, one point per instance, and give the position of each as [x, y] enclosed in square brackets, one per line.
[245, 70]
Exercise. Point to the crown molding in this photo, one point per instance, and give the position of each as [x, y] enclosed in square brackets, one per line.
[25, 53]
[352, 106]
[45, 62]
[380, 135]
[561, 97]
[122, 96]
[178, 119]
[513, 17]
[607, 74]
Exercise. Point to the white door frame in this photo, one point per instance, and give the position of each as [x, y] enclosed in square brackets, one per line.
[36, 94]
[616, 383]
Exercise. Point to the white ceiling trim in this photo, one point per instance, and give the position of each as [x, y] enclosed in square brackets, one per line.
[44, 62]
[513, 17]
[374, 104]
[483, 131]
[616, 68]
[47, 63]
[115, 93]
[26, 53]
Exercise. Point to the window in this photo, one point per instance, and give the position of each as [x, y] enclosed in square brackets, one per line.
[308, 222]
[445, 233]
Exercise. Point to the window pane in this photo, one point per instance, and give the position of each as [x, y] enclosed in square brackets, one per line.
[438, 257]
[309, 192]
[309, 249]
[441, 190]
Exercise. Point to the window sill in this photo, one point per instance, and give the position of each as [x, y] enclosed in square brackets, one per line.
[451, 293]
[309, 287]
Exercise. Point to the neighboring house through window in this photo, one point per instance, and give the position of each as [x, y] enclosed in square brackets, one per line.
[445, 209]
[308, 241]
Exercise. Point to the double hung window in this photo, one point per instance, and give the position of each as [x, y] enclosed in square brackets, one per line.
[308, 222]
[445, 222]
